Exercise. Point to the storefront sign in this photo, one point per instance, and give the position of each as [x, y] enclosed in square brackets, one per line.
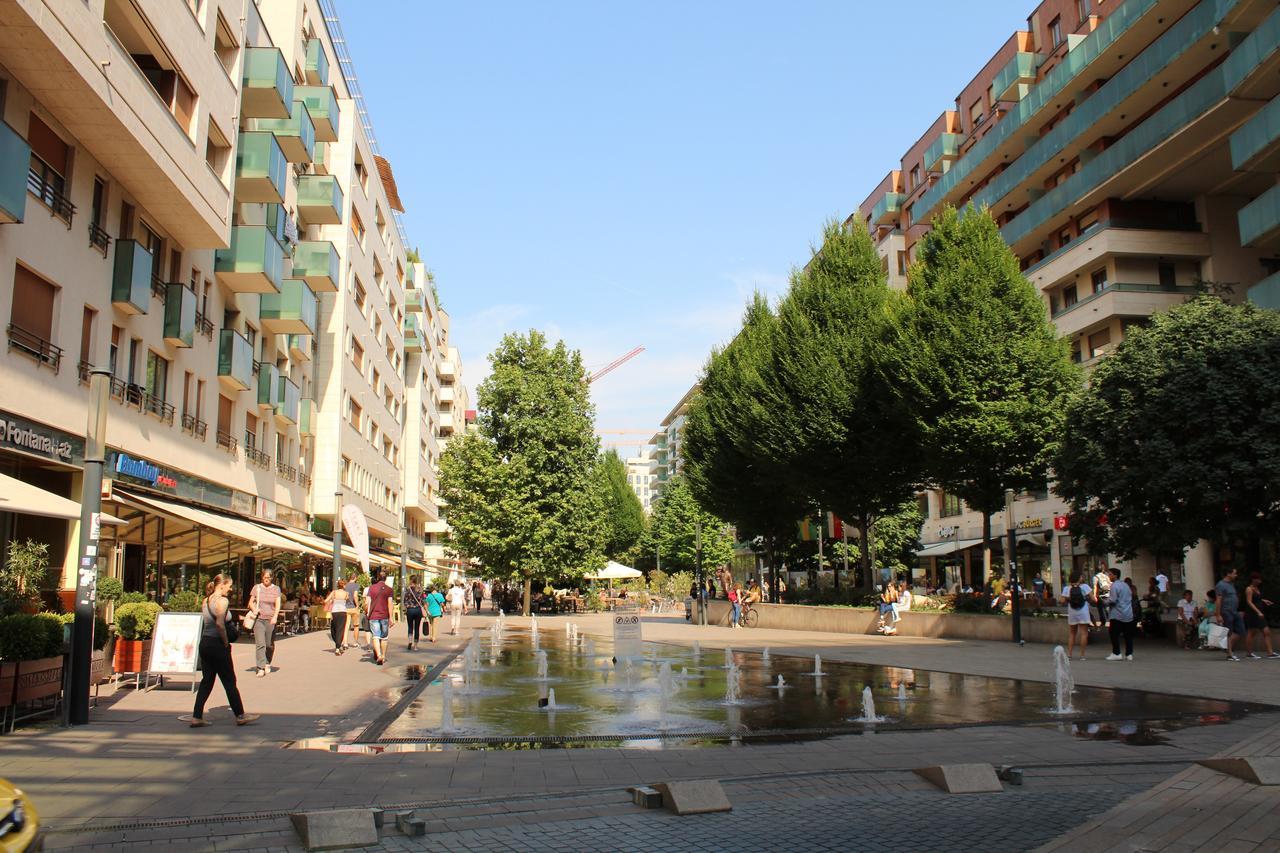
[175, 643]
[1031, 524]
[357, 527]
[18, 433]
[1060, 522]
[145, 471]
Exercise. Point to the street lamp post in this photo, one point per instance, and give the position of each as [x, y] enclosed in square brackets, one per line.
[404, 555]
[702, 587]
[337, 537]
[95, 456]
[1014, 588]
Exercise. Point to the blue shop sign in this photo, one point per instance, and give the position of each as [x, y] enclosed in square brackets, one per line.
[145, 471]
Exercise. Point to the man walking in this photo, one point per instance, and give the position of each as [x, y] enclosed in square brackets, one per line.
[457, 606]
[1120, 608]
[354, 607]
[378, 601]
[264, 602]
[1102, 593]
[1229, 612]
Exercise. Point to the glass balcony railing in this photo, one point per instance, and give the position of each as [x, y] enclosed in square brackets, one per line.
[319, 200]
[15, 159]
[295, 133]
[944, 149]
[1184, 291]
[288, 402]
[253, 263]
[887, 209]
[317, 65]
[131, 278]
[1256, 137]
[319, 165]
[1266, 293]
[412, 334]
[179, 315]
[1260, 218]
[261, 168]
[1116, 24]
[1012, 81]
[268, 385]
[1145, 67]
[307, 417]
[413, 300]
[235, 360]
[267, 86]
[322, 103]
[300, 347]
[291, 311]
[316, 263]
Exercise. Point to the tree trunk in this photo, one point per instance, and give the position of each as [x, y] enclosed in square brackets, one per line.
[772, 550]
[864, 552]
[986, 553]
[528, 594]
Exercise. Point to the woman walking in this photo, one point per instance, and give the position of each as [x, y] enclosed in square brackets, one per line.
[413, 611]
[215, 654]
[1077, 596]
[435, 609]
[264, 605]
[1255, 619]
[337, 605]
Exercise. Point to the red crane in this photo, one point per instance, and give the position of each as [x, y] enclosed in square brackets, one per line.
[613, 365]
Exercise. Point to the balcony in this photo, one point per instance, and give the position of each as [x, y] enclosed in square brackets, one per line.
[307, 417]
[260, 169]
[254, 263]
[31, 344]
[1116, 238]
[322, 104]
[1260, 220]
[291, 311]
[257, 457]
[316, 263]
[447, 370]
[943, 150]
[413, 301]
[1254, 146]
[295, 133]
[319, 200]
[446, 422]
[15, 155]
[195, 427]
[227, 442]
[131, 278]
[268, 385]
[412, 334]
[1013, 80]
[300, 347]
[179, 315]
[267, 86]
[1118, 300]
[888, 210]
[288, 402]
[204, 326]
[317, 64]
[235, 361]
[1266, 293]
[318, 161]
[287, 472]
[446, 394]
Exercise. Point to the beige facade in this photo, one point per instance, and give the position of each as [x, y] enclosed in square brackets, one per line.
[665, 445]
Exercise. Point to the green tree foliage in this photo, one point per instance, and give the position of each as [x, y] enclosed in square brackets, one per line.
[521, 489]
[25, 568]
[676, 517]
[895, 537]
[989, 377]
[623, 513]
[1177, 438]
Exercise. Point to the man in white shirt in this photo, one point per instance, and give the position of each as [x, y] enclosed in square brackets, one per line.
[457, 605]
[1162, 585]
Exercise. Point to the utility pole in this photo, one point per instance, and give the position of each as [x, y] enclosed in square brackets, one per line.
[702, 587]
[822, 525]
[337, 537]
[1012, 560]
[95, 457]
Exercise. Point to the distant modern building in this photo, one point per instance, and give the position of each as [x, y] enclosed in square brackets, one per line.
[664, 446]
[1129, 150]
[641, 477]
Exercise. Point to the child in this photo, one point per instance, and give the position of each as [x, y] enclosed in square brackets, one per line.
[1188, 618]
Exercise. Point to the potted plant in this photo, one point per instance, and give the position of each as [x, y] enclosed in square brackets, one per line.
[31, 644]
[24, 571]
[183, 601]
[134, 623]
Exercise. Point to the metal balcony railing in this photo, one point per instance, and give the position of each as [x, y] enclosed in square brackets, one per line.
[304, 480]
[157, 287]
[204, 326]
[99, 238]
[196, 427]
[289, 472]
[35, 346]
[257, 457]
[47, 185]
[84, 368]
[227, 442]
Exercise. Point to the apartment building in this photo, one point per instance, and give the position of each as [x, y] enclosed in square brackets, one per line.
[1128, 150]
[190, 200]
[665, 444]
[641, 477]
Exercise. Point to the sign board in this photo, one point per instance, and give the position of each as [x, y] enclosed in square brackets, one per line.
[353, 521]
[175, 644]
[627, 635]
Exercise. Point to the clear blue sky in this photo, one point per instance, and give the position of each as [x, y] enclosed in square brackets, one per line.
[626, 175]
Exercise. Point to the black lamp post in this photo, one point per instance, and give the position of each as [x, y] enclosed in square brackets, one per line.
[1014, 588]
[95, 455]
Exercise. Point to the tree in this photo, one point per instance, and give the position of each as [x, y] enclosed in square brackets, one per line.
[1177, 438]
[675, 526]
[521, 489]
[623, 513]
[729, 466]
[895, 538]
[989, 377]
[853, 446]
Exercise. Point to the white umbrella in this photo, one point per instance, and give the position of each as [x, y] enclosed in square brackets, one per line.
[615, 570]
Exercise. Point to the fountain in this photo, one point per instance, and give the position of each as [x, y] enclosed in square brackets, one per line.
[869, 707]
[542, 664]
[764, 658]
[589, 648]
[533, 624]
[817, 667]
[1063, 683]
[446, 706]
[665, 688]
[728, 657]
[902, 691]
[732, 687]
[780, 685]
[629, 672]
[568, 630]
[551, 699]
[697, 651]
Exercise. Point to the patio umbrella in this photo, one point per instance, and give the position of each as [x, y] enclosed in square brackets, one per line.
[615, 570]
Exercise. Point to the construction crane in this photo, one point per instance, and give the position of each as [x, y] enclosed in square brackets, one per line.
[614, 365]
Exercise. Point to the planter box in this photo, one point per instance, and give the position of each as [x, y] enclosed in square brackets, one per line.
[98, 668]
[38, 679]
[8, 675]
[131, 655]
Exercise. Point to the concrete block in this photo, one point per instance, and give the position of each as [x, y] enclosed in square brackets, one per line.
[403, 818]
[415, 827]
[646, 797]
[1257, 770]
[378, 816]
[962, 778]
[338, 829]
[695, 796]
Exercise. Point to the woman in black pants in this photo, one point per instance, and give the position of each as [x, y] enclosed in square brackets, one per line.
[413, 612]
[336, 604]
[215, 654]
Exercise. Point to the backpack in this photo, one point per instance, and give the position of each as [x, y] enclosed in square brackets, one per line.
[1076, 597]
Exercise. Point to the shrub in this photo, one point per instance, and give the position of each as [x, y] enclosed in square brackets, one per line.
[100, 634]
[24, 571]
[973, 603]
[133, 598]
[183, 602]
[109, 589]
[30, 636]
[136, 620]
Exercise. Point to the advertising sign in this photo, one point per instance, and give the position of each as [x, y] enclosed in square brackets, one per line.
[627, 635]
[357, 528]
[175, 645]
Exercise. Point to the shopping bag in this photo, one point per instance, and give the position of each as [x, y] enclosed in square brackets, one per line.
[1218, 636]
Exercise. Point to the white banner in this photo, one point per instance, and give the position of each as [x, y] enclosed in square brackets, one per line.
[175, 643]
[353, 521]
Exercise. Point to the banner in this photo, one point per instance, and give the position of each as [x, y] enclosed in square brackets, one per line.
[357, 528]
[175, 644]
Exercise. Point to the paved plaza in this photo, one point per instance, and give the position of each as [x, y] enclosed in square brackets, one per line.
[137, 776]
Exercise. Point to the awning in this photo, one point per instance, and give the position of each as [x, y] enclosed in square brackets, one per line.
[938, 549]
[235, 527]
[325, 547]
[17, 496]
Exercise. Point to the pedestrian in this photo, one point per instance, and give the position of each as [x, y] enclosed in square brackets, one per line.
[1188, 619]
[264, 605]
[215, 653]
[1077, 596]
[457, 606]
[1101, 591]
[353, 608]
[1162, 586]
[413, 611]
[435, 609]
[735, 604]
[1037, 588]
[1120, 611]
[378, 607]
[1229, 612]
[1255, 619]
[337, 605]
[1208, 614]
[477, 594]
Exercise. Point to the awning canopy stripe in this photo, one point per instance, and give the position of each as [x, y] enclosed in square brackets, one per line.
[939, 549]
[18, 496]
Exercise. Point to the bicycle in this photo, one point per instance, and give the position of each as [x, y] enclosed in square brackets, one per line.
[750, 617]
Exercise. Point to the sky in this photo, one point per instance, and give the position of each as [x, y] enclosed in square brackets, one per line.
[624, 175]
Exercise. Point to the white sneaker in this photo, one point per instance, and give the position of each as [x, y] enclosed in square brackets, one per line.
[1233, 658]
[1128, 657]
[1255, 657]
[1115, 657]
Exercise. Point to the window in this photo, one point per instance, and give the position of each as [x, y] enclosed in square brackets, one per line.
[357, 227]
[133, 31]
[113, 357]
[1085, 8]
[346, 471]
[1055, 33]
[356, 418]
[1099, 279]
[358, 293]
[175, 265]
[949, 505]
[357, 356]
[250, 431]
[50, 160]
[976, 113]
[1064, 237]
[134, 345]
[224, 44]
[1070, 296]
[126, 221]
[186, 393]
[915, 177]
[86, 335]
[1168, 278]
[225, 409]
[902, 263]
[1099, 342]
[217, 151]
[157, 375]
[32, 309]
[362, 175]
[199, 407]
[97, 234]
